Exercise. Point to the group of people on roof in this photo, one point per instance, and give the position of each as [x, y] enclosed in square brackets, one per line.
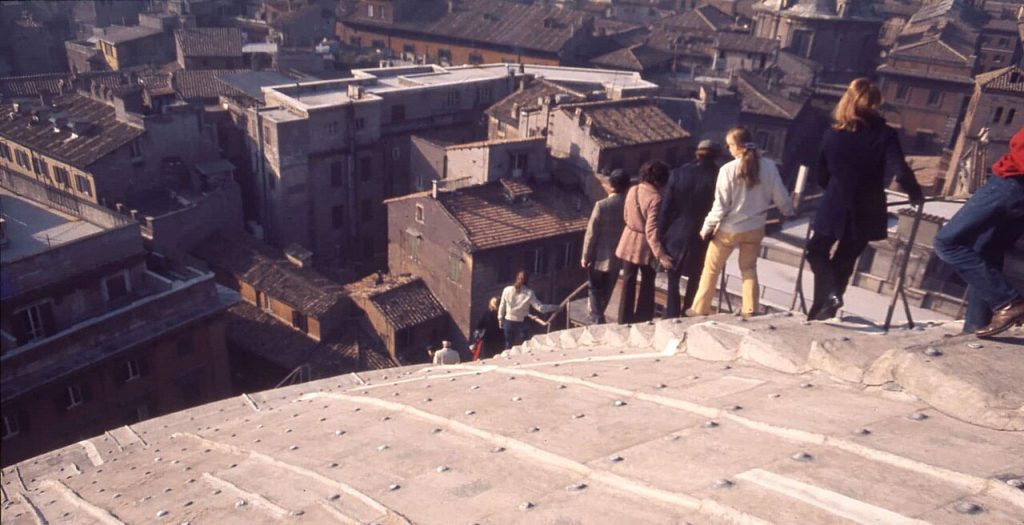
[689, 220]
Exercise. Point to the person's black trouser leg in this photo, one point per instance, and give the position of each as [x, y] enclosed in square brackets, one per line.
[672, 291]
[818, 251]
[599, 289]
[627, 312]
[645, 299]
[843, 261]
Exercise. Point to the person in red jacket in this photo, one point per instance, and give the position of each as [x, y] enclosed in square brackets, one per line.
[976, 239]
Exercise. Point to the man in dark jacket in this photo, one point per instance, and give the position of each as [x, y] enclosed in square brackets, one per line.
[687, 199]
[975, 240]
[603, 232]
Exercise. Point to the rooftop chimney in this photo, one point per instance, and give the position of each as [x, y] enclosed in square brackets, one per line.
[298, 256]
[355, 91]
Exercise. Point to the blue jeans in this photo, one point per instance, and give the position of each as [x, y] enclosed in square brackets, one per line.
[515, 333]
[974, 241]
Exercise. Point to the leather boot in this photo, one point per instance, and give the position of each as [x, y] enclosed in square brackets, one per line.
[1003, 319]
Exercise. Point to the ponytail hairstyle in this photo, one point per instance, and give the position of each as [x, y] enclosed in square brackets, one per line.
[522, 279]
[858, 105]
[750, 163]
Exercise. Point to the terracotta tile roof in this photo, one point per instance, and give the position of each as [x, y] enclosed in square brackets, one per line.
[612, 27]
[203, 84]
[682, 41]
[210, 41]
[758, 98]
[704, 18]
[510, 25]
[638, 57]
[528, 98]
[408, 305]
[33, 85]
[1008, 79]
[886, 69]
[260, 333]
[491, 221]
[627, 122]
[745, 43]
[301, 15]
[108, 133]
[263, 267]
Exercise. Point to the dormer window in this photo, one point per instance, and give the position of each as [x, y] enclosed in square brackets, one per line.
[419, 213]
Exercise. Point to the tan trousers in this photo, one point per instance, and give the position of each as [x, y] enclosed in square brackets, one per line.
[721, 247]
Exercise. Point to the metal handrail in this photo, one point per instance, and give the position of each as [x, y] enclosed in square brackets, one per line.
[899, 290]
[546, 323]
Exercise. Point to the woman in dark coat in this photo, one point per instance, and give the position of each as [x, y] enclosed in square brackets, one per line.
[860, 154]
[687, 199]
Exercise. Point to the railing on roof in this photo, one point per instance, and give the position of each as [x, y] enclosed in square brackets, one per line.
[798, 298]
[301, 374]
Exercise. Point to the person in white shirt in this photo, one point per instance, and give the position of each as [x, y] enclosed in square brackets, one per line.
[746, 189]
[446, 355]
[516, 301]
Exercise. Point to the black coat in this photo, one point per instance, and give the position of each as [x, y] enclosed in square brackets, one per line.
[854, 168]
[687, 199]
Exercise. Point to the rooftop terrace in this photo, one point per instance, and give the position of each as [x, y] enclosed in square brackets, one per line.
[312, 95]
[31, 228]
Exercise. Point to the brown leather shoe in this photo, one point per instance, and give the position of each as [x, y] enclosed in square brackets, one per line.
[1003, 319]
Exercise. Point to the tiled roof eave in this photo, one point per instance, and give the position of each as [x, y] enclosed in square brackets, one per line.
[402, 30]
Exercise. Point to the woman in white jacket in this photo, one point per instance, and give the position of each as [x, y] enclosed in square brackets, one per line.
[516, 301]
[746, 188]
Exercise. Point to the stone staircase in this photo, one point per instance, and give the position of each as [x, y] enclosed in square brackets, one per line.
[975, 381]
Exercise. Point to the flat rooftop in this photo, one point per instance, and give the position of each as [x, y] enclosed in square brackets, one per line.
[311, 95]
[31, 228]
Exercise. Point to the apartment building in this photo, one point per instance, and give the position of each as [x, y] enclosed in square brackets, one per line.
[92, 337]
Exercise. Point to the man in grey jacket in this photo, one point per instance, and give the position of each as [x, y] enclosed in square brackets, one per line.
[603, 232]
